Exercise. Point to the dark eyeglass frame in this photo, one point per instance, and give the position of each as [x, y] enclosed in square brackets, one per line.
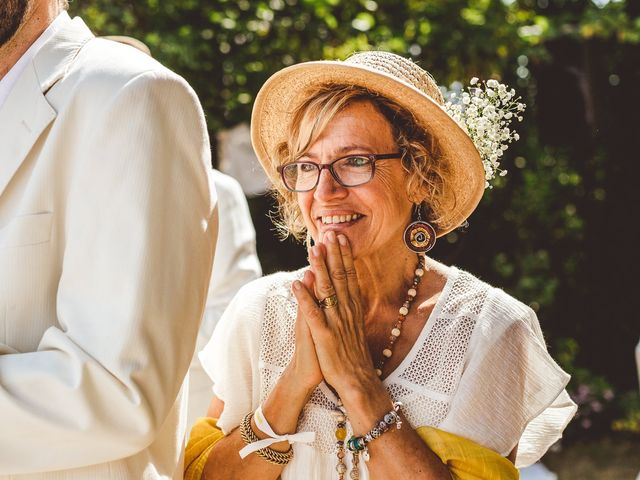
[373, 157]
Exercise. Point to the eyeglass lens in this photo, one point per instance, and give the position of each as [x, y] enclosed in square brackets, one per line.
[349, 171]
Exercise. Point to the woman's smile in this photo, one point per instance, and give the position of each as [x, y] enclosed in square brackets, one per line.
[337, 220]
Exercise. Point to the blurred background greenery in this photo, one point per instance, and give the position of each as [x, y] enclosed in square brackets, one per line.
[558, 232]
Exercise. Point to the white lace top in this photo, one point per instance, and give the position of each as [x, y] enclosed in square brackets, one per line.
[479, 369]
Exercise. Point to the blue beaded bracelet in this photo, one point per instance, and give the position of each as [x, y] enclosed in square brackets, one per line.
[359, 444]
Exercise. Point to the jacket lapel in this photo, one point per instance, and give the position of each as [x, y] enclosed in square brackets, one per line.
[26, 113]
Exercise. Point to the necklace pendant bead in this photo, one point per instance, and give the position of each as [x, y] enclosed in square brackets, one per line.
[412, 292]
[403, 310]
[387, 352]
[341, 468]
[419, 272]
[338, 415]
[378, 372]
[395, 332]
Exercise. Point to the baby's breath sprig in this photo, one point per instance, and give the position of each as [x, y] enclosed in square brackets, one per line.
[484, 111]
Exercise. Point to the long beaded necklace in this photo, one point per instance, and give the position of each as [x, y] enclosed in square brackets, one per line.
[339, 412]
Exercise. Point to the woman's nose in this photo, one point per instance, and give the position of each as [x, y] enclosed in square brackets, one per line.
[328, 187]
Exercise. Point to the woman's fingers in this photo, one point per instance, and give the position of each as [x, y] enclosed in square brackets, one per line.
[324, 287]
[335, 268]
[305, 361]
[308, 280]
[307, 304]
[349, 267]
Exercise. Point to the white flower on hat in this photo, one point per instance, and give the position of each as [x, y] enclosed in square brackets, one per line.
[484, 111]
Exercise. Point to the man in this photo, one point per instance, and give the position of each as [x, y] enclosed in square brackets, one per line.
[107, 232]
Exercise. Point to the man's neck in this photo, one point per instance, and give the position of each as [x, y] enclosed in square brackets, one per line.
[36, 21]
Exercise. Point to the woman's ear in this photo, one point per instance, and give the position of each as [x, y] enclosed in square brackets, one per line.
[417, 188]
[418, 196]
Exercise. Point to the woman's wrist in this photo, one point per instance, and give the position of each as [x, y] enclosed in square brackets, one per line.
[358, 386]
[297, 383]
[283, 406]
[365, 404]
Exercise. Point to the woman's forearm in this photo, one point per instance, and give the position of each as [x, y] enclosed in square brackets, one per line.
[281, 409]
[283, 406]
[403, 454]
[396, 453]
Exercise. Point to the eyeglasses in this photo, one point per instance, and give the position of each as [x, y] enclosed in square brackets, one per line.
[349, 171]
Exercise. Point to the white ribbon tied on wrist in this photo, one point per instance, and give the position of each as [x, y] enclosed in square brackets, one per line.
[264, 427]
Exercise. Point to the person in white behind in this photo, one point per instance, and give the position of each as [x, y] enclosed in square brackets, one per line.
[107, 233]
[235, 265]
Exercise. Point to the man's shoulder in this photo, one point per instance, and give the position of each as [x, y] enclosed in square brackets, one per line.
[107, 76]
[73, 62]
[116, 63]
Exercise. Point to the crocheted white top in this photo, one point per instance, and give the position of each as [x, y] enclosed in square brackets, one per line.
[479, 369]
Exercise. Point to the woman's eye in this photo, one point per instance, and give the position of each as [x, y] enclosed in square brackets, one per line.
[357, 161]
[307, 167]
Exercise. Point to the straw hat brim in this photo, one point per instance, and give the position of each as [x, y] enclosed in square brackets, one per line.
[287, 89]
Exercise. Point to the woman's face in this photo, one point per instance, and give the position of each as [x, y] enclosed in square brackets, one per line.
[378, 210]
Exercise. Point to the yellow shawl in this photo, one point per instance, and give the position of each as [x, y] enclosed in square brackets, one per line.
[465, 459]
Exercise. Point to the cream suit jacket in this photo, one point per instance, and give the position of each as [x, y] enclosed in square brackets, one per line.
[107, 232]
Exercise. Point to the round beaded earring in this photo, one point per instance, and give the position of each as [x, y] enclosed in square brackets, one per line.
[419, 236]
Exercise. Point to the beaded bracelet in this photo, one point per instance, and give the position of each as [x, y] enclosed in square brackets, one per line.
[269, 454]
[359, 444]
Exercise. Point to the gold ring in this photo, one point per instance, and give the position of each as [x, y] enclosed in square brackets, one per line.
[328, 302]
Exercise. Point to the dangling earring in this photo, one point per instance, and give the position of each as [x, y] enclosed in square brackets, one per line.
[419, 236]
[309, 241]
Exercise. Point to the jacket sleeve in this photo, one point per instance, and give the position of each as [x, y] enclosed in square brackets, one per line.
[139, 233]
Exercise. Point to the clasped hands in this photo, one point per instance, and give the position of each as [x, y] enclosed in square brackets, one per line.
[330, 342]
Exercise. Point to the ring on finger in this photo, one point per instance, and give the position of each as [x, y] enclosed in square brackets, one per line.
[328, 302]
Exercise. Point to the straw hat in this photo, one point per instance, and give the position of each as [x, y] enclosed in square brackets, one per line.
[390, 76]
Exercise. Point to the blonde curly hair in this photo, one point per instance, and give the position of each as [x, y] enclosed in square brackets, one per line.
[425, 175]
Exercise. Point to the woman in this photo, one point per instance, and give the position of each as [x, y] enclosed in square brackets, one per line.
[386, 362]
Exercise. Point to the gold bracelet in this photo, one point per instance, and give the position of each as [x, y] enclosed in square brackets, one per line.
[269, 454]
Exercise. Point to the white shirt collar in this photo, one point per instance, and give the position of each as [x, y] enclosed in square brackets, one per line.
[9, 80]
